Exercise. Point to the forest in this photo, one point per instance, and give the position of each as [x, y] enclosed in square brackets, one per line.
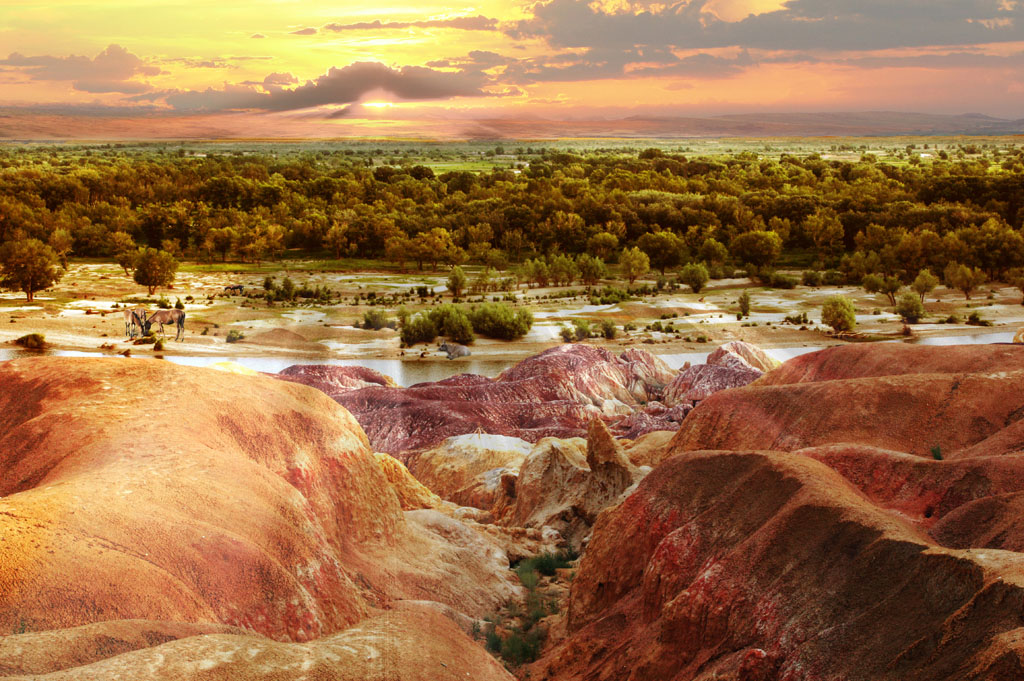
[549, 213]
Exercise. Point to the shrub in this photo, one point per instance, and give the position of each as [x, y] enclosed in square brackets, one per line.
[234, 336]
[375, 319]
[567, 334]
[744, 302]
[811, 278]
[418, 329]
[581, 328]
[780, 280]
[694, 275]
[937, 453]
[909, 307]
[797, 319]
[838, 313]
[833, 278]
[159, 345]
[608, 329]
[519, 648]
[163, 303]
[609, 295]
[701, 338]
[178, 305]
[500, 320]
[32, 341]
[974, 319]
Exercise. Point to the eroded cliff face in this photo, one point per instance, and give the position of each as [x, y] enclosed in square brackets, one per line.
[143, 490]
[819, 538]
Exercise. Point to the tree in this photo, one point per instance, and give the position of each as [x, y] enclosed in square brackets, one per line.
[456, 281]
[154, 268]
[1015, 278]
[876, 283]
[910, 308]
[664, 249]
[61, 242]
[602, 245]
[838, 313]
[824, 229]
[124, 248]
[713, 252]
[336, 237]
[591, 269]
[963, 278]
[28, 265]
[694, 275]
[635, 263]
[924, 283]
[563, 270]
[759, 248]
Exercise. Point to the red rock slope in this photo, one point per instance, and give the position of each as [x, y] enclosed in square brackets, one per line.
[848, 552]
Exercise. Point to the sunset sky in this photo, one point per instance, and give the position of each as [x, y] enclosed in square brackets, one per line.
[567, 59]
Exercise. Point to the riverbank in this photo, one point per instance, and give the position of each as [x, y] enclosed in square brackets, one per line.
[82, 315]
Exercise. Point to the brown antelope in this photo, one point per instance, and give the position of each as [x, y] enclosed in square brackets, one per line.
[162, 317]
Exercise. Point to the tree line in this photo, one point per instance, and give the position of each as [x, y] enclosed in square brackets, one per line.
[856, 217]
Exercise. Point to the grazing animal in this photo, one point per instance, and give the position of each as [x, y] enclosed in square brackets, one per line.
[454, 350]
[235, 288]
[162, 317]
[132, 319]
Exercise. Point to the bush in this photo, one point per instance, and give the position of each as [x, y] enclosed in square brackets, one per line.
[520, 648]
[838, 313]
[811, 278]
[375, 319]
[909, 307]
[452, 323]
[567, 334]
[608, 329]
[418, 329]
[581, 327]
[780, 280]
[797, 319]
[974, 319]
[234, 336]
[32, 341]
[500, 320]
[833, 278]
[178, 305]
[744, 302]
[163, 303]
[694, 275]
[609, 295]
[159, 345]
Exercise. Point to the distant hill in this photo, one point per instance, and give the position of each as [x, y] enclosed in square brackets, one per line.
[42, 125]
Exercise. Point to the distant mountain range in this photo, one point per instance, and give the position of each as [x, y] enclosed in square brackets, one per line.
[35, 125]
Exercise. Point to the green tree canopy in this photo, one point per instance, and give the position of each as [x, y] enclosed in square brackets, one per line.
[28, 265]
[154, 268]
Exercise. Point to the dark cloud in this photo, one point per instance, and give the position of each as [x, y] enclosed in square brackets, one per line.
[110, 71]
[304, 31]
[477, 23]
[338, 86]
[799, 25]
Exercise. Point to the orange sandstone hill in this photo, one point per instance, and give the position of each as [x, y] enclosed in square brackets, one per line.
[221, 513]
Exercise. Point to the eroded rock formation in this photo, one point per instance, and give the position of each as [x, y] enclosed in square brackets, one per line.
[138, 489]
[553, 394]
[857, 549]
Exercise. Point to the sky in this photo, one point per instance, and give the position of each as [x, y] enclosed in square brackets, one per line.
[415, 60]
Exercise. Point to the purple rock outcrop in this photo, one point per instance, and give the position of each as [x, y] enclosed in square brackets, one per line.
[553, 394]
